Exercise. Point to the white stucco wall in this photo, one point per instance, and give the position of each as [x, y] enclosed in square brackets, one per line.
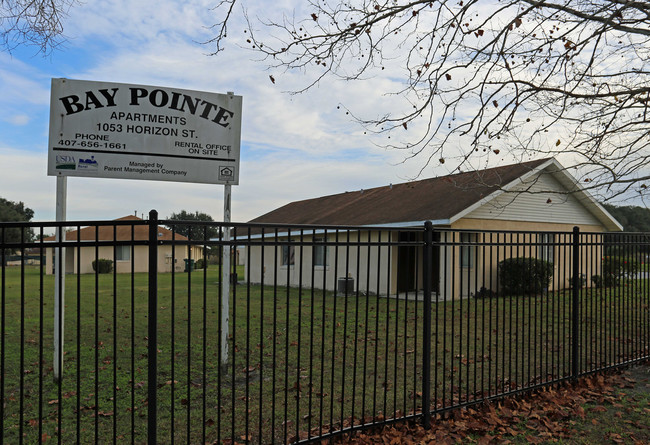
[368, 265]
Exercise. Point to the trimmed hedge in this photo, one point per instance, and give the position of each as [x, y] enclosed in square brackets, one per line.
[525, 276]
[103, 265]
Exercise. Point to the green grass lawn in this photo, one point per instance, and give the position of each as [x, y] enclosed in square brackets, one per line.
[299, 360]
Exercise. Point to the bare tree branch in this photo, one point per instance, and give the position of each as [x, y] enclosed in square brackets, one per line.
[483, 78]
[222, 25]
[33, 22]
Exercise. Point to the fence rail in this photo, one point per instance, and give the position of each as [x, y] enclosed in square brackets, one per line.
[326, 330]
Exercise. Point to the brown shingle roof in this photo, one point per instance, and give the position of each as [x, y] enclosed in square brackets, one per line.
[429, 199]
[122, 232]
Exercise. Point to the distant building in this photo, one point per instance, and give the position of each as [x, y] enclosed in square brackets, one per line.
[126, 257]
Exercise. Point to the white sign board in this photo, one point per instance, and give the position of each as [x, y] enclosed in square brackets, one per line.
[113, 130]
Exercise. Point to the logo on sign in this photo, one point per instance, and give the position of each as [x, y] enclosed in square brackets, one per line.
[65, 162]
[88, 164]
[226, 173]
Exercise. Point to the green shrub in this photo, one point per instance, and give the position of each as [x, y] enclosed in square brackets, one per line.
[610, 279]
[103, 265]
[520, 276]
[616, 268]
[597, 281]
[201, 264]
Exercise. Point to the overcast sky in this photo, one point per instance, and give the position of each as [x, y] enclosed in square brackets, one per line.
[293, 146]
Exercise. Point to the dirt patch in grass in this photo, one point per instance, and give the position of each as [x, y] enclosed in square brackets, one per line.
[603, 408]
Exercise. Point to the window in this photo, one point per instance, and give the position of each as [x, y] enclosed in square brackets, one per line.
[545, 249]
[320, 252]
[467, 252]
[288, 255]
[122, 253]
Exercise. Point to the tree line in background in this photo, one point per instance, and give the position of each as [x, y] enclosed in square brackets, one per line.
[632, 218]
[194, 232]
[197, 232]
[11, 211]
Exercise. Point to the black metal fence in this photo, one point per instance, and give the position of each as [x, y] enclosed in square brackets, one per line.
[309, 332]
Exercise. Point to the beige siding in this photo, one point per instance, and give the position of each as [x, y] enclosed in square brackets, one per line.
[488, 224]
[465, 281]
[533, 205]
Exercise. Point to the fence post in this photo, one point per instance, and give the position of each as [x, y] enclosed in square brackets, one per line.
[575, 307]
[153, 328]
[426, 334]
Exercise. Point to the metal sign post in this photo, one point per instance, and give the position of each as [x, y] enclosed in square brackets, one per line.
[225, 279]
[225, 266]
[59, 277]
